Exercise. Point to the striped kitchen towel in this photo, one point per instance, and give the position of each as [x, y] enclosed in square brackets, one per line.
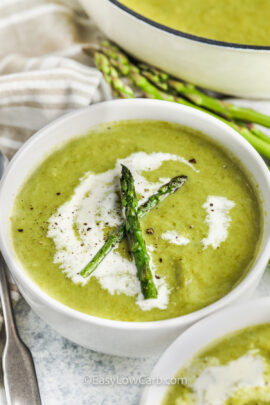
[44, 72]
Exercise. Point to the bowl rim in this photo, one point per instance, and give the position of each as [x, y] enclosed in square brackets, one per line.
[195, 329]
[17, 269]
[182, 34]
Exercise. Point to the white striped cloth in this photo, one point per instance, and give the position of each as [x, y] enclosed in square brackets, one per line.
[44, 72]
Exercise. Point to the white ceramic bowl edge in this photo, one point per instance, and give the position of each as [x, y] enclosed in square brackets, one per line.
[198, 337]
[114, 337]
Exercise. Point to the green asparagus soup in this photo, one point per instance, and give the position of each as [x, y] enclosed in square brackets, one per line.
[242, 21]
[232, 371]
[201, 239]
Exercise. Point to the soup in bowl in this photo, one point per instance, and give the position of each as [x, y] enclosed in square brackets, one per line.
[205, 238]
[223, 359]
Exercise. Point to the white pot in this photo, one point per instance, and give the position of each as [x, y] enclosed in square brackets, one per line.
[115, 337]
[239, 70]
[200, 335]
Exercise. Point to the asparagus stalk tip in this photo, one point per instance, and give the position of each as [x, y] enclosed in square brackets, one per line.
[134, 234]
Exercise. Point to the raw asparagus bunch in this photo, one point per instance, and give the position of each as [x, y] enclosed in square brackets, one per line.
[188, 90]
[111, 76]
[134, 234]
[166, 82]
[118, 234]
[228, 111]
[159, 85]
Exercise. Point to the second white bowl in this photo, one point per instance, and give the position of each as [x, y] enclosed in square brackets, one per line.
[198, 337]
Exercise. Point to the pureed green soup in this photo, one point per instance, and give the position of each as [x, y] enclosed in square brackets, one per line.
[238, 21]
[201, 240]
[232, 371]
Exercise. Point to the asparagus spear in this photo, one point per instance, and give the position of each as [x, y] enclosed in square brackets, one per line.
[256, 131]
[118, 234]
[155, 79]
[164, 81]
[227, 110]
[111, 76]
[135, 236]
[258, 142]
[163, 77]
[104, 66]
[115, 53]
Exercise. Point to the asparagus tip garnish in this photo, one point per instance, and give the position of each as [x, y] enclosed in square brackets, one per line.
[134, 234]
[118, 234]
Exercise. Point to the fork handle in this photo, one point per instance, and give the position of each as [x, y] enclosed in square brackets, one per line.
[20, 378]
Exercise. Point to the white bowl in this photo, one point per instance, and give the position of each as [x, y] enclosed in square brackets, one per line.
[236, 69]
[200, 335]
[115, 337]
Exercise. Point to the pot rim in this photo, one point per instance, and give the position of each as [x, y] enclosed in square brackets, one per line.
[185, 35]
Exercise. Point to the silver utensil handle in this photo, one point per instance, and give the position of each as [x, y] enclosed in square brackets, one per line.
[20, 379]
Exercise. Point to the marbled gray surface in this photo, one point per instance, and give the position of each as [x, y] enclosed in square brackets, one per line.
[63, 367]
